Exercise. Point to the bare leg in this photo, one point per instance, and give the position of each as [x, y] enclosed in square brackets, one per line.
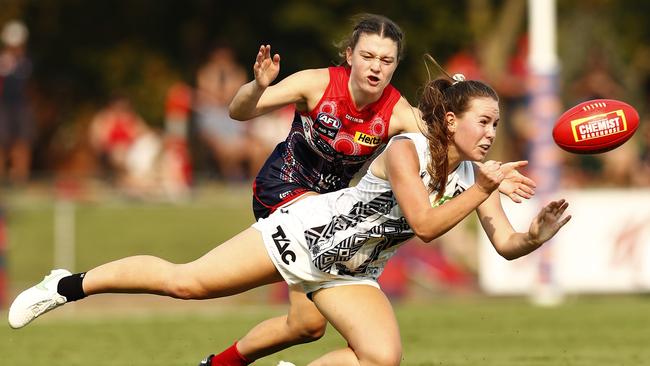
[239, 264]
[303, 324]
[364, 317]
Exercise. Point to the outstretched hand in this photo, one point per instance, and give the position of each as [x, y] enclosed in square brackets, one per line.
[516, 185]
[489, 175]
[548, 222]
[266, 69]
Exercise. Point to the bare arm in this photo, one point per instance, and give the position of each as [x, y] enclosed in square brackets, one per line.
[402, 168]
[257, 97]
[511, 244]
[405, 118]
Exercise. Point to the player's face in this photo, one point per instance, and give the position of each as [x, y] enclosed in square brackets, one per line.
[475, 130]
[373, 62]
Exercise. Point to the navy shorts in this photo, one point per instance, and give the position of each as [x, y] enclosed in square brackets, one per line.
[268, 196]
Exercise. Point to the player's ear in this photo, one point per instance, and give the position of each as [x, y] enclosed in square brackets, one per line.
[450, 118]
[348, 56]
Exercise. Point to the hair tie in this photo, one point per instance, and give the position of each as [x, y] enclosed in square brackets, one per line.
[458, 78]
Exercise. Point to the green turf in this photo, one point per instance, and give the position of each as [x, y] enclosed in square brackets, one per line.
[479, 331]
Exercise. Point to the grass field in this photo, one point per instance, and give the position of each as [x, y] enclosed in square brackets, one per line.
[147, 330]
[476, 331]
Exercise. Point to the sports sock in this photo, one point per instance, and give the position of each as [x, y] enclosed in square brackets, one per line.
[230, 357]
[71, 287]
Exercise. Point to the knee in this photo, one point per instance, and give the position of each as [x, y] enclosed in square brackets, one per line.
[386, 355]
[309, 328]
[182, 285]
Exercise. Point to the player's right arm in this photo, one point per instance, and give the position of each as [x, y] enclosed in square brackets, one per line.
[402, 169]
[259, 97]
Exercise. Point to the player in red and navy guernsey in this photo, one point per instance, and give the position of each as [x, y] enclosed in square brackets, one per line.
[327, 144]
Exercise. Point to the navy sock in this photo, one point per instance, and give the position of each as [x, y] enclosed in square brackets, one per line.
[71, 287]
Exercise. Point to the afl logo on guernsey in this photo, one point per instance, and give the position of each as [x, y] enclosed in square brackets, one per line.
[327, 125]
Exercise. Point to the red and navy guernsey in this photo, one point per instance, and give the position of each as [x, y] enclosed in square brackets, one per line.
[325, 147]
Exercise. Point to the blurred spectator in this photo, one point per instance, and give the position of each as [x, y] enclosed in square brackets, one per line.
[217, 82]
[266, 131]
[512, 87]
[128, 147]
[16, 122]
[597, 80]
[465, 62]
[175, 165]
[642, 178]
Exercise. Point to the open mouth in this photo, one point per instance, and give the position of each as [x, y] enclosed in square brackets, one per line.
[373, 80]
[484, 147]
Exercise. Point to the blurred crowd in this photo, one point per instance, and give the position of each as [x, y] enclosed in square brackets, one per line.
[199, 138]
[198, 141]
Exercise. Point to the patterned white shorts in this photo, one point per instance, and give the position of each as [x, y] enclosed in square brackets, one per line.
[283, 235]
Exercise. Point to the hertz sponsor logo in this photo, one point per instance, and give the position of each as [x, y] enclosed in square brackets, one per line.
[599, 126]
[367, 140]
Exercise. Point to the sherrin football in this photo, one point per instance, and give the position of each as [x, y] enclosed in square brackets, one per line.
[595, 126]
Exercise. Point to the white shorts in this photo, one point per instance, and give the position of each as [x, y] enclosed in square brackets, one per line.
[285, 242]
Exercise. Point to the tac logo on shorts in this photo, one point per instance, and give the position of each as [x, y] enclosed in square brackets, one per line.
[599, 126]
[282, 243]
[367, 140]
[327, 125]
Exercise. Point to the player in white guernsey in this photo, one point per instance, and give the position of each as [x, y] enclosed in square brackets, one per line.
[336, 244]
[351, 233]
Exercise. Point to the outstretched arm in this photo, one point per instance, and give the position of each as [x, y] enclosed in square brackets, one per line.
[258, 97]
[511, 244]
[265, 69]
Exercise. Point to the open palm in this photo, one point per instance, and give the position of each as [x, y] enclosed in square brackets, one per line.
[266, 68]
[514, 184]
[549, 221]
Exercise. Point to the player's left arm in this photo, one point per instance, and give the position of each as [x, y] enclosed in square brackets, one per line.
[511, 244]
